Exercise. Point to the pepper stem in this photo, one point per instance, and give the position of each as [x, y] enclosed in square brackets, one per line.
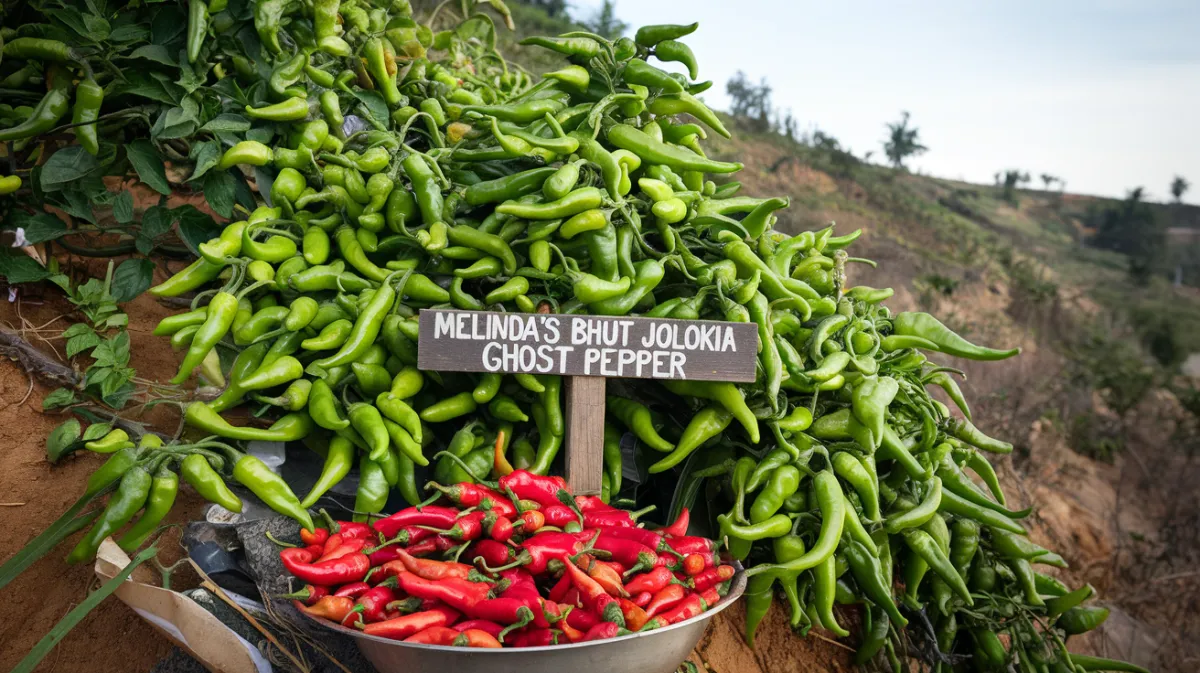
[278, 542]
[524, 616]
[522, 559]
[465, 468]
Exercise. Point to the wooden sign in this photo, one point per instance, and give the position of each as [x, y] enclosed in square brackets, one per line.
[587, 345]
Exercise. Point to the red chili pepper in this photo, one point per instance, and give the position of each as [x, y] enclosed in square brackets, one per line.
[601, 631]
[680, 525]
[514, 613]
[342, 570]
[595, 598]
[333, 608]
[372, 605]
[428, 568]
[356, 530]
[491, 628]
[572, 597]
[688, 608]
[612, 517]
[633, 555]
[603, 574]
[476, 495]
[318, 536]
[635, 616]
[570, 633]
[401, 628]
[477, 638]
[458, 593]
[492, 552]
[559, 515]
[642, 599]
[353, 590]
[497, 526]
[430, 515]
[692, 545]
[531, 521]
[592, 503]
[406, 536]
[308, 594]
[434, 635]
[522, 587]
[534, 637]
[693, 564]
[469, 527]
[528, 486]
[542, 548]
[340, 548]
[665, 599]
[711, 577]
[559, 590]
[405, 606]
[640, 535]
[652, 581]
[432, 545]
[582, 619]
[710, 595]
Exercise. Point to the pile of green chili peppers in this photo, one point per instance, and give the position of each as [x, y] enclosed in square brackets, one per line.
[406, 168]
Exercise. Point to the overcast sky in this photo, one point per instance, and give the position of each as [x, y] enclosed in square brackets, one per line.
[1103, 93]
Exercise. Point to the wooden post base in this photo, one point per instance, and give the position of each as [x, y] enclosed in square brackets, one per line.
[585, 434]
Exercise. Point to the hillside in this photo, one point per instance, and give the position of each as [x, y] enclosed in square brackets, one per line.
[1087, 403]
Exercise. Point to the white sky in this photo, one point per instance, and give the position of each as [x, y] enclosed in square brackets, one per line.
[1103, 93]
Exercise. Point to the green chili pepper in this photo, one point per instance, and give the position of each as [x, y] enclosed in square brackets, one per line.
[961, 428]
[759, 596]
[639, 420]
[649, 36]
[726, 394]
[163, 489]
[506, 408]
[449, 408]
[129, 497]
[221, 310]
[673, 50]
[944, 340]
[46, 115]
[89, 96]
[782, 484]
[706, 424]
[508, 187]
[831, 501]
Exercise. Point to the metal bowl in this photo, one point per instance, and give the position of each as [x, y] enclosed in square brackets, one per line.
[657, 651]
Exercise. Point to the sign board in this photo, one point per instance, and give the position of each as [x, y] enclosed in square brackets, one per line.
[587, 345]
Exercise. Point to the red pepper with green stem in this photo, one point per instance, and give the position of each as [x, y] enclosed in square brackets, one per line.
[465, 528]
[460, 594]
[352, 590]
[308, 594]
[333, 608]
[476, 495]
[371, 606]
[430, 515]
[402, 628]
[594, 597]
[342, 570]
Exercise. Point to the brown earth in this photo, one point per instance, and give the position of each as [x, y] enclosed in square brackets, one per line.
[34, 493]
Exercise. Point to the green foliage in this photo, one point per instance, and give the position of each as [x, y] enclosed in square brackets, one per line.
[750, 102]
[1179, 186]
[606, 23]
[1133, 228]
[902, 141]
[1013, 178]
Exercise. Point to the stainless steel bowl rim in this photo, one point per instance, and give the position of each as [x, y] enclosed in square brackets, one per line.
[736, 588]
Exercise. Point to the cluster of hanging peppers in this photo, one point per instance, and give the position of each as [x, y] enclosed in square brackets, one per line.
[404, 168]
[518, 563]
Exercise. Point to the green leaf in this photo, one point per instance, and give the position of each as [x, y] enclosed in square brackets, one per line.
[81, 343]
[264, 178]
[219, 188]
[131, 278]
[113, 385]
[206, 154]
[227, 122]
[73, 200]
[96, 431]
[262, 134]
[147, 85]
[66, 165]
[20, 268]
[177, 122]
[123, 207]
[196, 227]
[77, 329]
[96, 374]
[61, 438]
[39, 227]
[153, 52]
[117, 396]
[59, 397]
[168, 24]
[98, 28]
[117, 320]
[129, 32]
[156, 221]
[374, 103]
[148, 164]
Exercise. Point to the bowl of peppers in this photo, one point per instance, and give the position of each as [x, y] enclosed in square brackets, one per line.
[520, 569]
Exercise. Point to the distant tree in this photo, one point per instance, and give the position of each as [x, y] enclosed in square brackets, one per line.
[606, 23]
[1048, 180]
[751, 102]
[867, 156]
[902, 142]
[551, 7]
[1131, 227]
[1178, 187]
[788, 126]
[1013, 178]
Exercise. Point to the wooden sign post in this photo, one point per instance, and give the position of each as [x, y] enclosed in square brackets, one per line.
[586, 349]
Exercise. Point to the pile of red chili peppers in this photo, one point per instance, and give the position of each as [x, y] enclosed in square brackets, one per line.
[525, 564]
